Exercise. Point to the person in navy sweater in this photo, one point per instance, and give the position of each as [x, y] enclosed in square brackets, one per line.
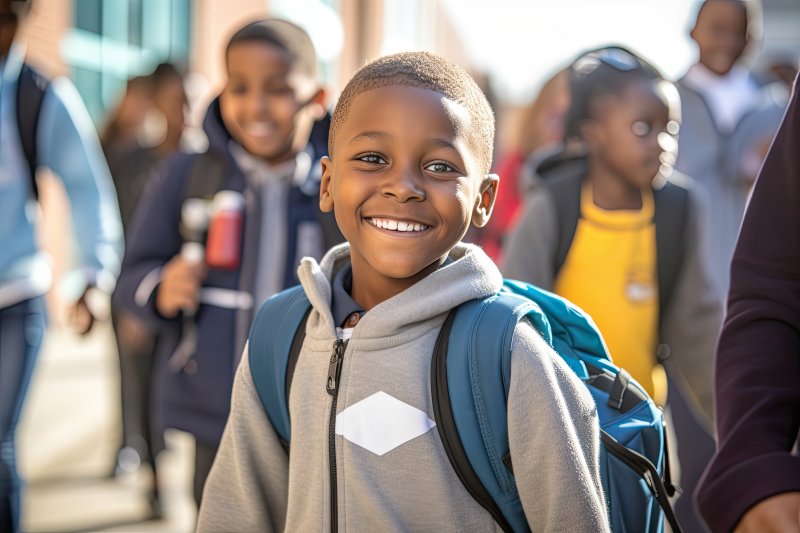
[753, 482]
[264, 145]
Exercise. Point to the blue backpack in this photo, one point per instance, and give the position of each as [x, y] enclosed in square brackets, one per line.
[470, 371]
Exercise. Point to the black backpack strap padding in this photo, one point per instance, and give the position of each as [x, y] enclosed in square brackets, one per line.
[671, 210]
[294, 353]
[31, 90]
[445, 425]
[566, 192]
[672, 487]
[207, 175]
[618, 388]
[291, 363]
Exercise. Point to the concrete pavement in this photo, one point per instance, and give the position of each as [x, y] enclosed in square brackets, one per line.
[67, 440]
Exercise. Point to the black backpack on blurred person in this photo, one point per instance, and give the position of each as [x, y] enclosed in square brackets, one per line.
[563, 172]
[31, 89]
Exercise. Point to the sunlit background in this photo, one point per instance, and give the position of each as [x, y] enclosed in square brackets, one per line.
[70, 427]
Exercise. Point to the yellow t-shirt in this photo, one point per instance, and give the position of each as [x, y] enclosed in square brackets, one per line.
[610, 272]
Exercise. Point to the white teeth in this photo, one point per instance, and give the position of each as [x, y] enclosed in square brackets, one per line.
[259, 129]
[394, 225]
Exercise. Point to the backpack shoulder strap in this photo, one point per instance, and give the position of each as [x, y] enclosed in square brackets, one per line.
[274, 344]
[475, 435]
[671, 210]
[207, 174]
[566, 192]
[471, 369]
[31, 90]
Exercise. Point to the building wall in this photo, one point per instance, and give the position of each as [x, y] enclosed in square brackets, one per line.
[43, 30]
[214, 22]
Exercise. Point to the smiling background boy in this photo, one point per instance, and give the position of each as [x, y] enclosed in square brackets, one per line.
[259, 140]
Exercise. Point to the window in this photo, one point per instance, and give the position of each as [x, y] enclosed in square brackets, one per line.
[113, 40]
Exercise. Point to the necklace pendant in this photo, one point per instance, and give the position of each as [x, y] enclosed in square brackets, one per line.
[640, 291]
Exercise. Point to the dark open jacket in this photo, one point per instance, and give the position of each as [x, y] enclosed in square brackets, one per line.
[196, 396]
[758, 359]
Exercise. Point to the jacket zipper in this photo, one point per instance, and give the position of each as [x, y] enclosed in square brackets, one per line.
[332, 386]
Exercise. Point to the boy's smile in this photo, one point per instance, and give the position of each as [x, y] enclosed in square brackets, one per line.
[404, 187]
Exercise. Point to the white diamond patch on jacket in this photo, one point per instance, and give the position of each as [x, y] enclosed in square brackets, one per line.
[380, 423]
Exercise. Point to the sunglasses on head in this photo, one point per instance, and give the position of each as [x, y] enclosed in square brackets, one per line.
[615, 57]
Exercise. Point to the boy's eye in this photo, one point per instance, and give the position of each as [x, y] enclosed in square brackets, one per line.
[372, 159]
[238, 89]
[279, 90]
[440, 166]
[640, 128]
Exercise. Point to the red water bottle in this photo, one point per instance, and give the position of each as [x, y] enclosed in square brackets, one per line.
[224, 244]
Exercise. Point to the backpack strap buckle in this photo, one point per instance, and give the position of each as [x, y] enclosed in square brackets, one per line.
[618, 389]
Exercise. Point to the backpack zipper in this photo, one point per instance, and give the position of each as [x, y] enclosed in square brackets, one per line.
[332, 386]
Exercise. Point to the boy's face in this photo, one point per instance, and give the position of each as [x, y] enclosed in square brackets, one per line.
[403, 183]
[629, 134]
[721, 34]
[264, 103]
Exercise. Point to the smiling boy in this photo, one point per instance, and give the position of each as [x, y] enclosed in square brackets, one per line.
[410, 150]
[259, 142]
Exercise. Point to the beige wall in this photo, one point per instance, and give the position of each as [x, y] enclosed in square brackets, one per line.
[42, 31]
[213, 23]
[362, 21]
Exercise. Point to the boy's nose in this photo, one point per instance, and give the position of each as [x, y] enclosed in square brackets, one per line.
[403, 186]
[257, 105]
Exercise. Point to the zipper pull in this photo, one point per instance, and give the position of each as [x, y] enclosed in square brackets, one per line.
[335, 366]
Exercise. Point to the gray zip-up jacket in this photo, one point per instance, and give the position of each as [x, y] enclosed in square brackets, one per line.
[718, 162]
[391, 470]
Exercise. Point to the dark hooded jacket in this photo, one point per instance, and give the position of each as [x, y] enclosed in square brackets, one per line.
[194, 396]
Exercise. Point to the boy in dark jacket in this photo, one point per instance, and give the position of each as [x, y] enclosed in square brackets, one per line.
[258, 130]
[728, 122]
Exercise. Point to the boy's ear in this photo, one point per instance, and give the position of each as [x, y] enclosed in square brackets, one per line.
[326, 185]
[485, 201]
[318, 102]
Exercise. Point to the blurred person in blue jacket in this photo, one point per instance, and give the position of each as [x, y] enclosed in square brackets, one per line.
[62, 139]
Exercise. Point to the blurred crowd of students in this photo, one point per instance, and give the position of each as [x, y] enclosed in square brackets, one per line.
[624, 193]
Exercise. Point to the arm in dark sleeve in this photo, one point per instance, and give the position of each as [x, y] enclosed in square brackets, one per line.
[153, 240]
[758, 359]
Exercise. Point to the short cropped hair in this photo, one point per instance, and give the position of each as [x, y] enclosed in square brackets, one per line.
[427, 71]
[286, 36]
